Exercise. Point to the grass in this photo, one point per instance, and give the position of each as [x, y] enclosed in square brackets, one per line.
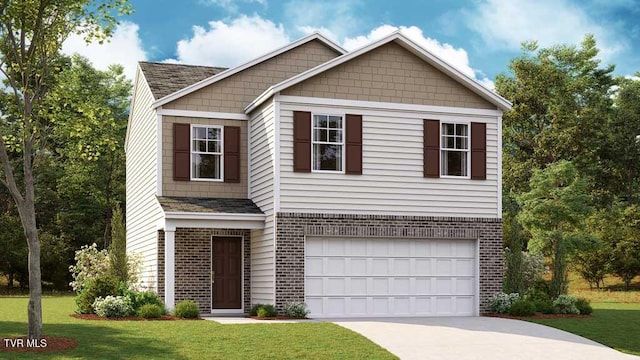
[185, 339]
[616, 314]
[614, 325]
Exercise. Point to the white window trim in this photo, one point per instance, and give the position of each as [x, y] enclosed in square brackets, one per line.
[191, 177]
[468, 150]
[343, 143]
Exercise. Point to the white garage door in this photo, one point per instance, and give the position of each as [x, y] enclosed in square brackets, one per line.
[357, 277]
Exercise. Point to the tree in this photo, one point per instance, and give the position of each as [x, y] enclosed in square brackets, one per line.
[553, 212]
[561, 98]
[626, 251]
[118, 248]
[31, 36]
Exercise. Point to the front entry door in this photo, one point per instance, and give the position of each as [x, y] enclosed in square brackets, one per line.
[226, 276]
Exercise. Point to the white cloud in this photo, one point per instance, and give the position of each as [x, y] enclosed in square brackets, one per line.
[457, 57]
[506, 24]
[231, 43]
[124, 48]
[335, 18]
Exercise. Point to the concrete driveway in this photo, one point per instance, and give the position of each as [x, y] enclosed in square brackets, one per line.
[461, 338]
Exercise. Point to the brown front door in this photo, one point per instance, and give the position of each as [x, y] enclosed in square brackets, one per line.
[227, 272]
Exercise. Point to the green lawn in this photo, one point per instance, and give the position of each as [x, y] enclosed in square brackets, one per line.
[614, 325]
[184, 339]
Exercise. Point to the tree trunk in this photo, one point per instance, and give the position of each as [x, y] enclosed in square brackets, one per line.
[34, 309]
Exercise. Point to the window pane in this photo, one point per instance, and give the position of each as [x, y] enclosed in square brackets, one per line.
[454, 163]
[447, 129]
[320, 121]
[327, 157]
[448, 143]
[213, 133]
[199, 133]
[461, 129]
[335, 136]
[320, 135]
[199, 145]
[206, 166]
[461, 142]
[214, 146]
[335, 122]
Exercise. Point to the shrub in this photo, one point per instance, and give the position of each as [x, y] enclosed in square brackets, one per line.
[90, 263]
[113, 306]
[541, 300]
[565, 304]
[267, 311]
[150, 311]
[254, 309]
[501, 302]
[522, 307]
[296, 310]
[101, 286]
[118, 249]
[148, 298]
[187, 309]
[583, 306]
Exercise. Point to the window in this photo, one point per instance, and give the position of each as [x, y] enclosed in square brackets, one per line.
[206, 152]
[454, 147]
[327, 143]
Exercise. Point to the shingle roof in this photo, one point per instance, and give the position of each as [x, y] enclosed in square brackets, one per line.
[208, 205]
[164, 79]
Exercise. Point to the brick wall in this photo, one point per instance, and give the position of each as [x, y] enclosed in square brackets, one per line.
[291, 229]
[193, 264]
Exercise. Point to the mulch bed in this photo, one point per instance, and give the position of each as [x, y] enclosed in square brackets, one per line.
[46, 344]
[541, 316]
[127, 318]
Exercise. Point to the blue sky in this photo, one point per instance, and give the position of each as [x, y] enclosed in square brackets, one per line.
[477, 36]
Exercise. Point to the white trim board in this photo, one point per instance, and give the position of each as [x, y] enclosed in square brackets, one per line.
[202, 114]
[227, 73]
[391, 107]
[403, 41]
[159, 177]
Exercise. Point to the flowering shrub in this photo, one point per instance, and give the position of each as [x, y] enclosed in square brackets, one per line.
[90, 262]
[565, 304]
[113, 306]
[532, 268]
[501, 302]
[296, 310]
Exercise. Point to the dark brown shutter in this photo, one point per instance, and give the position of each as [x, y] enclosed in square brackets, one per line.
[301, 141]
[431, 148]
[354, 144]
[232, 154]
[181, 152]
[478, 151]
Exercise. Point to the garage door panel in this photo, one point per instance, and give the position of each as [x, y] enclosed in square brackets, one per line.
[389, 277]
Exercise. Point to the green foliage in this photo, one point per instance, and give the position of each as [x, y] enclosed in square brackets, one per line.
[13, 245]
[266, 311]
[150, 311]
[583, 306]
[148, 298]
[96, 287]
[553, 212]
[118, 247]
[186, 309]
[296, 310]
[522, 307]
[501, 302]
[113, 306]
[565, 304]
[254, 309]
[540, 299]
[513, 259]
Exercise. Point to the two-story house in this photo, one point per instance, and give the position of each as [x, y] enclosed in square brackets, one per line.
[364, 183]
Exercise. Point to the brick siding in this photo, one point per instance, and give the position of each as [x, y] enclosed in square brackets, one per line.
[291, 229]
[193, 264]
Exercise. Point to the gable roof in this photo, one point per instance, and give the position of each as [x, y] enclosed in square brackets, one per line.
[406, 43]
[166, 78]
[187, 89]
